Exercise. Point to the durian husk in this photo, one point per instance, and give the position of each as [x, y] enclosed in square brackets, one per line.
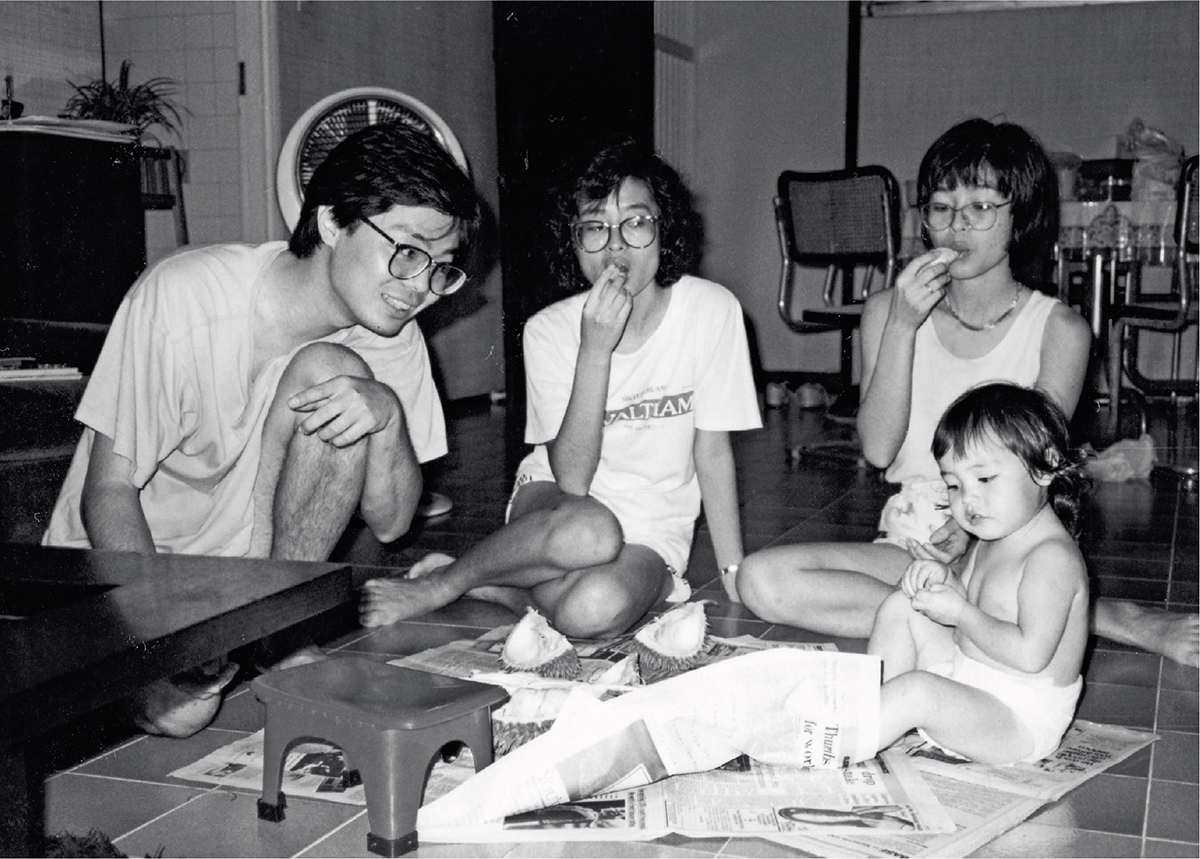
[527, 714]
[536, 647]
[672, 643]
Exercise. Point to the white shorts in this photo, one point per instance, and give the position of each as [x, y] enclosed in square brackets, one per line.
[681, 591]
[1044, 709]
[915, 512]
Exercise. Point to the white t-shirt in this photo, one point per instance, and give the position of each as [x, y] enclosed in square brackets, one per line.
[692, 373]
[172, 389]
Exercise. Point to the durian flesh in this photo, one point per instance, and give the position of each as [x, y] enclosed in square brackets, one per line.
[527, 714]
[671, 643]
[536, 647]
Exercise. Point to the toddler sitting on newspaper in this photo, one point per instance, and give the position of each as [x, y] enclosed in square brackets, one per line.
[986, 664]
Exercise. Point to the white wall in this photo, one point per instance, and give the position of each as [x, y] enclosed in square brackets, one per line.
[193, 43]
[1074, 75]
[769, 95]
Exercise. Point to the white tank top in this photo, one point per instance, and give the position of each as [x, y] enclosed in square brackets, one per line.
[939, 377]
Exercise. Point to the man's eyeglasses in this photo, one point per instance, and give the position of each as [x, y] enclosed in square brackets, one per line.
[407, 262]
[592, 236]
[978, 216]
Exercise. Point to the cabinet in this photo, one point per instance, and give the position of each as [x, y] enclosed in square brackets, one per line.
[72, 228]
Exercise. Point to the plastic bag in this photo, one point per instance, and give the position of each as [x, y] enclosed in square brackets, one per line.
[1157, 161]
[1128, 459]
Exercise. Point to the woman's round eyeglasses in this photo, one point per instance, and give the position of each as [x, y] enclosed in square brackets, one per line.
[978, 216]
[593, 236]
[407, 262]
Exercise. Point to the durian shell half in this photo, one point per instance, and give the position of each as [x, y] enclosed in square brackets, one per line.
[536, 647]
[672, 643]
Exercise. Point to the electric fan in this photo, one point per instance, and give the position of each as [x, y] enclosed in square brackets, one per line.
[334, 118]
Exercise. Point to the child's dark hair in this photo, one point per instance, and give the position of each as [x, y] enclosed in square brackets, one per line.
[1029, 424]
[1004, 155]
[382, 166]
[680, 227]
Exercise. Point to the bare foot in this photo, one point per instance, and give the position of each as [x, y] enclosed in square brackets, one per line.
[425, 566]
[180, 706]
[386, 601]
[1178, 637]
[1174, 635]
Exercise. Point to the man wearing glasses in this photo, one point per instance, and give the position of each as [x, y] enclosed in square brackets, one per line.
[250, 399]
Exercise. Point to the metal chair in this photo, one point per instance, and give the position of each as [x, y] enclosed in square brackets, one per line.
[845, 221]
[1173, 312]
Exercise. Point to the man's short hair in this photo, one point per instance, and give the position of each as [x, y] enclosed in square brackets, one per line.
[380, 167]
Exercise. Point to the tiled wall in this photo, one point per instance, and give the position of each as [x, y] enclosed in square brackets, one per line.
[195, 44]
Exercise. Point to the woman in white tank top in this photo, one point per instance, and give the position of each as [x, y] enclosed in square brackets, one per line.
[957, 317]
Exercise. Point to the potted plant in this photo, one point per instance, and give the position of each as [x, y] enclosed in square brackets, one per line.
[141, 106]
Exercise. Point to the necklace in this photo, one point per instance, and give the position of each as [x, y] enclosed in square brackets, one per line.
[970, 326]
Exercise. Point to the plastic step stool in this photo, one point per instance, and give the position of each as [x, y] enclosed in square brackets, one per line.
[389, 722]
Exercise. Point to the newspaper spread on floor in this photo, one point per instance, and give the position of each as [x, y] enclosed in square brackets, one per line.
[909, 801]
[985, 801]
[747, 799]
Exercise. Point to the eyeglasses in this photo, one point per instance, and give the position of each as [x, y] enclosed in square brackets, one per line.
[407, 262]
[593, 236]
[978, 216]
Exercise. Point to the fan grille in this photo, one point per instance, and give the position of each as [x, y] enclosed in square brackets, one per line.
[339, 122]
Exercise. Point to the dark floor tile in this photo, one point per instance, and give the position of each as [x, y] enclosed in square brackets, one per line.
[77, 803]
[1183, 677]
[1168, 849]
[1136, 589]
[1124, 668]
[1177, 757]
[1140, 568]
[223, 823]
[405, 638]
[1177, 711]
[1172, 811]
[1105, 803]
[1130, 706]
[1042, 840]
[150, 759]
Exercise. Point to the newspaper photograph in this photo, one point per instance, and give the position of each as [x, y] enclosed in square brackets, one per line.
[780, 706]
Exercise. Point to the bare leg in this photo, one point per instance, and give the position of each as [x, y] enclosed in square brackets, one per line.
[605, 600]
[970, 721]
[549, 535]
[306, 490]
[830, 588]
[1175, 635]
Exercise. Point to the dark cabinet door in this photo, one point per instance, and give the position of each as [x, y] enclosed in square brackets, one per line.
[567, 75]
[72, 228]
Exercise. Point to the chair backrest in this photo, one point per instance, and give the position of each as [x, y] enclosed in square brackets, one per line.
[841, 216]
[839, 219]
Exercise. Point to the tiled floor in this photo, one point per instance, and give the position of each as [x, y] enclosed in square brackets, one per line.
[1141, 543]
